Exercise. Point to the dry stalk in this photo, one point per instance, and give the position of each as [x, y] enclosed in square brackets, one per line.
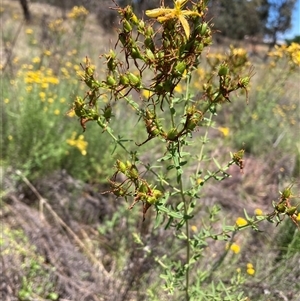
[43, 202]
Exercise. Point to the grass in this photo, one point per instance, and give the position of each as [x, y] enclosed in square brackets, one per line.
[40, 137]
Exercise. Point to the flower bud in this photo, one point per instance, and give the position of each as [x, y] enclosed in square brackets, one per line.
[280, 207]
[223, 71]
[180, 67]
[286, 193]
[124, 80]
[134, 80]
[290, 211]
[110, 81]
[172, 134]
[121, 166]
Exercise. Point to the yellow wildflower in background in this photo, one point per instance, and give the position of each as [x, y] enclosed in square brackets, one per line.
[78, 143]
[258, 211]
[224, 130]
[36, 60]
[71, 113]
[78, 12]
[56, 112]
[178, 88]
[16, 60]
[47, 52]
[240, 222]
[250, 269]
[29, 31]
[194, 228]
[147, 94]
[57, 26]
[239, 51]
[235, 248]
[291, 53]
[42, 95]
[298, 217]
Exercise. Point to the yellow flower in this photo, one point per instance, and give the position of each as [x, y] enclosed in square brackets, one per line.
[45, 85]
[28, 88]
[47, 52]
[78, 143]
[235, 248]
[240, 222]
[10, 137]
[194, 229]
[78, 12]
[56, 112]
[251, 271]
[6, 100]
[224, 130]
[298, 217]
[29, 31]
[71, 113]
[15, 60]
[42, 95]
[36, 60]
[258, 211]
[147, 94]
[178, 88]
[165, 14]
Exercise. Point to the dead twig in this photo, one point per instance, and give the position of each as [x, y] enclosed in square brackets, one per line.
[43, 202]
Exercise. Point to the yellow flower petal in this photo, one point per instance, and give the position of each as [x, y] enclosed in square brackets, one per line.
[241, 222]
[185, 25]
[157, 12]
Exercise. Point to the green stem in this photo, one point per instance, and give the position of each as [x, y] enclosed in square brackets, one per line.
[188, 251]
[203, 143]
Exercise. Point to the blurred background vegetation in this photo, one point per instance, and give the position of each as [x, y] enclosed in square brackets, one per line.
[85, 245]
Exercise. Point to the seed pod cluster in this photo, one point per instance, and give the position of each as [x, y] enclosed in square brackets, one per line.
[134, 185]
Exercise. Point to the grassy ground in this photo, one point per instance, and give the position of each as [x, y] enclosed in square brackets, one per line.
[62, 239]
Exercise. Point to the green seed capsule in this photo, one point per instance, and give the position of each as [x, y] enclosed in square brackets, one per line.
[143, 188]
[280, 208]
[110, 81]
[133, 173]
[286, 193]
[124, 80]
[127, 27]
[141, 26]
[223, 71]
[135, 53]
[290, 211]
[121, 166]
[172, 134]
[180, 67]
[149, 44]
[150, 55]
[204, 27]
[134, 80]
[107, 112]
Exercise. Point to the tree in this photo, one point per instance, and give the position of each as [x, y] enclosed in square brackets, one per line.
[238, 18]
[25, 9]
[279, 18]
